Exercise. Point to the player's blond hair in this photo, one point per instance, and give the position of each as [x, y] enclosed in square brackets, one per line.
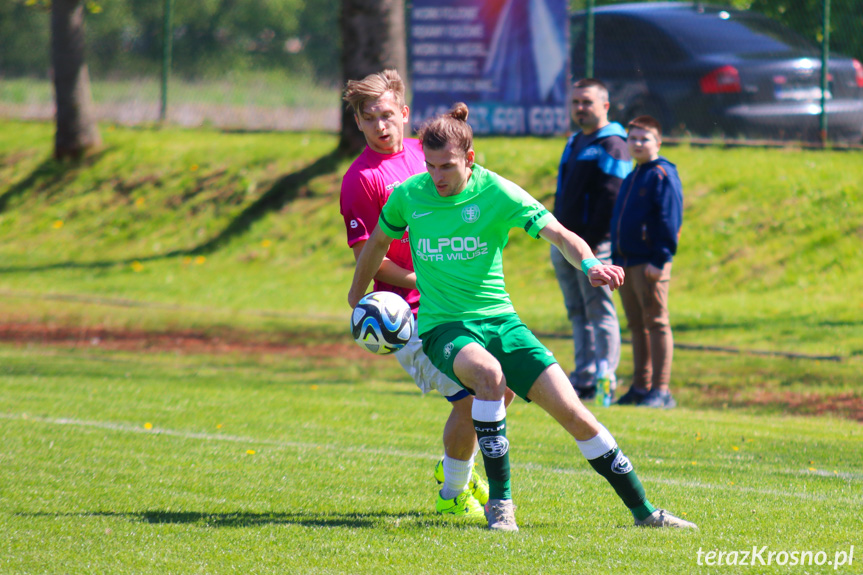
[451, 127]
[372, 87]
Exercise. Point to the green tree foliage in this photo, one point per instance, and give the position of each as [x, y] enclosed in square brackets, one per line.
[124, 37]
[804, 16]
[321, 37]
[25, 39]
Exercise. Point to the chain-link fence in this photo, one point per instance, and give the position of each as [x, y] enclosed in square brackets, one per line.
[246, 64]
[274, 64]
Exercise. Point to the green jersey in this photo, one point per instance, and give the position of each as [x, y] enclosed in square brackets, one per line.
[457, 242]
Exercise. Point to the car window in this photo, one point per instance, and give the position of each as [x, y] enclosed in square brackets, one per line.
[735, 32]
[614, 43]
[624, 43]
[657, 48]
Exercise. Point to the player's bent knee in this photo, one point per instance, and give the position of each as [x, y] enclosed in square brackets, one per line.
[484, 379]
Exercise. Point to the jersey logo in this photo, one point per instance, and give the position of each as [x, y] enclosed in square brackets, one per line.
[422, 215]
[451, 249]
[470, 213]
[589, 153]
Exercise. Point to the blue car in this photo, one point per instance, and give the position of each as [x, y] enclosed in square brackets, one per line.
[715, 71]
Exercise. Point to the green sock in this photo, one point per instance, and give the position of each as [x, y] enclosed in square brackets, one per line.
[618, 471]
[495, 454]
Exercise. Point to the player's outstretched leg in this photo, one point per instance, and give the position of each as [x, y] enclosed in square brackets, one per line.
[552, 392]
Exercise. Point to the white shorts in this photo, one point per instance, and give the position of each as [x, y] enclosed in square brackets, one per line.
[421, 370]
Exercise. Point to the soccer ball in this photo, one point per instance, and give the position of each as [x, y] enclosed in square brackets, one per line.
[382, 322]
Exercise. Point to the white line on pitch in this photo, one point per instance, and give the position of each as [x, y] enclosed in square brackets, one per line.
[415, 455]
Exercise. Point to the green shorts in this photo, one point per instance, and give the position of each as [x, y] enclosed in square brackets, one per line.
[521, 355]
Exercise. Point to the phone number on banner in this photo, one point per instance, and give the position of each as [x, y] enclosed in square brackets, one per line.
[510, 120]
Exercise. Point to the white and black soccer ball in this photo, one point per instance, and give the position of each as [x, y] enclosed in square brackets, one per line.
[382, 322]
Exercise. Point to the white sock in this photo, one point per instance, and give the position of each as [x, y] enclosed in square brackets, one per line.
[456, 476]
[491, 411]
[598, 445]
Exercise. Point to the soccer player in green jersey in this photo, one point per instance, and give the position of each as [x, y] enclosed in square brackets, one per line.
[459, 215]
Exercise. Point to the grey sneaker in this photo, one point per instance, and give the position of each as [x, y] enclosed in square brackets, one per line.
[658, 399]
[501, 515]
[662, 518]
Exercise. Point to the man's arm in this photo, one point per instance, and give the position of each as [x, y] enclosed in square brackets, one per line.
[389, 272]
[576, 251]
[368, 263]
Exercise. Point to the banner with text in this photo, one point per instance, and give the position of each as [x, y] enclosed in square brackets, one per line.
[507, 59]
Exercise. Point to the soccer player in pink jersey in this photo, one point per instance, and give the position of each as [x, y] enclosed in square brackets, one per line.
[378, 101]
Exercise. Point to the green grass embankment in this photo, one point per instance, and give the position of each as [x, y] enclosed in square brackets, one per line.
[208, 230]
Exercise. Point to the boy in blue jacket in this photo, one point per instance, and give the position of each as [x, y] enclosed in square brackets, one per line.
[645, 226]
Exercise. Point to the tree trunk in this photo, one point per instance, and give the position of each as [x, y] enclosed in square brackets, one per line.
[373, 38]
[76, 125]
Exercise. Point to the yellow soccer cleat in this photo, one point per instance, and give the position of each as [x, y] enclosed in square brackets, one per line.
[464, 505]
[477, 485]
[438, 471]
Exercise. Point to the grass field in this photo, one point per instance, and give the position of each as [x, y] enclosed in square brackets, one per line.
[158, 463]
[179, 394]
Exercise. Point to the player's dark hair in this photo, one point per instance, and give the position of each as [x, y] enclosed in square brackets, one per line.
[648, 123]
[451, 127]
[372, 87]
[592, 83]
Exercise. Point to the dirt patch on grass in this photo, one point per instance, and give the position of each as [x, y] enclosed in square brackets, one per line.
[179, 341]
[190, 342]
[848, 405]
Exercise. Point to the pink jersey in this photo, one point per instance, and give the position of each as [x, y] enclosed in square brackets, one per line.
[365, 189]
